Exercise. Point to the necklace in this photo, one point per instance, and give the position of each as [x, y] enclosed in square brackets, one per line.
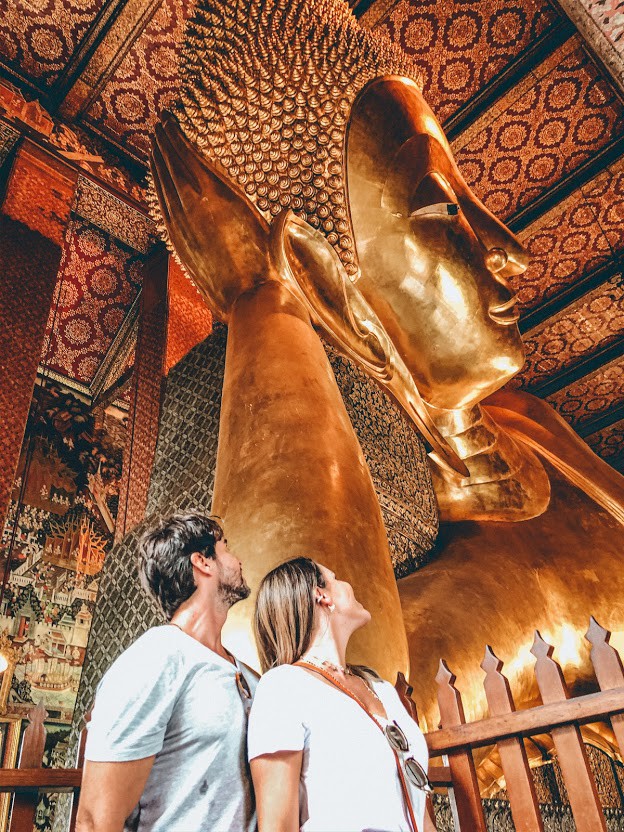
[327, 667]
[324, 663]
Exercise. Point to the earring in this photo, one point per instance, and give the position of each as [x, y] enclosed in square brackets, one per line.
[331, 607]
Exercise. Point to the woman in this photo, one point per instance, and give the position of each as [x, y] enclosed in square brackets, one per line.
[332, 749]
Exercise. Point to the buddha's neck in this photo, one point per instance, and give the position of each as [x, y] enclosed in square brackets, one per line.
[507, 481]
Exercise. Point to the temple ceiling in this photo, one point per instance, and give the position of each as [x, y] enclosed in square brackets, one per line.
[535, 120]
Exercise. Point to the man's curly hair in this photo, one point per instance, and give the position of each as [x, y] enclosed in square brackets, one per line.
[165, 551]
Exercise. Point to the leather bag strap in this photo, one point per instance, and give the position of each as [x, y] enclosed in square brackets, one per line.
[404, 787]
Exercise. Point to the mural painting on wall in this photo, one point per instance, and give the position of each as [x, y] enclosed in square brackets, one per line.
[59, 529]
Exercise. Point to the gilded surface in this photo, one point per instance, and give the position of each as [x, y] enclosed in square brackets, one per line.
[549, 573]
[306, 182]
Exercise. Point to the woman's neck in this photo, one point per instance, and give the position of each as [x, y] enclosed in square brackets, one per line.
[327, 647]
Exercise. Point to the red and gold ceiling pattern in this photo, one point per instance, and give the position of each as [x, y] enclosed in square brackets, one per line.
[38, 37]
[574, 238]
[608, 443]
[99, 279]
[583, 328]
[145, 82]
[591, 396]
[557, 116]
[459, 47]
[527, 142]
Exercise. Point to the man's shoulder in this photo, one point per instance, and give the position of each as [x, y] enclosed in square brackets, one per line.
[155, 648]
[157, 639]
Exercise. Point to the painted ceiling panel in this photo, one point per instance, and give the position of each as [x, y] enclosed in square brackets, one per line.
[574, 238]
[583, 328]
[38, 37]
[608, 443]
[98, 280]
[556, 117]
[459, 47]
[594, 395]
[144, 83]
[539, 132]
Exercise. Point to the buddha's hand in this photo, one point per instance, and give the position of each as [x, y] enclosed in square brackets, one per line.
[219, 236]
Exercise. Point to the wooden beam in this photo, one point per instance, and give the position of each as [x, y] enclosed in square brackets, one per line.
[528, 59]
[128, 24]
[603, 420]
[539, 720]
[534, 317]
[24, 780]
[80, 57]
[440, 776]
[581, 368]
[567, 185]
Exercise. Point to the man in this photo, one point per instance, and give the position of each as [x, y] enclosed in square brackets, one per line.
[166, 746]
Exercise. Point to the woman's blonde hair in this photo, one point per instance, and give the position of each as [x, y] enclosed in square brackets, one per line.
[284, 614]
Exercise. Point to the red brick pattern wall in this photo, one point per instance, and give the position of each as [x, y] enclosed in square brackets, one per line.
[29, 264]
[146, 396]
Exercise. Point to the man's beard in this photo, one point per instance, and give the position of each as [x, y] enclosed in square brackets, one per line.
[232, 589]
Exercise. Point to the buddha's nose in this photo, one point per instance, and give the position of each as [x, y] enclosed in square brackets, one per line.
[496, 260]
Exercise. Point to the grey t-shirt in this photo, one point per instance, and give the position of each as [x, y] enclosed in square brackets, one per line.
[170, 696]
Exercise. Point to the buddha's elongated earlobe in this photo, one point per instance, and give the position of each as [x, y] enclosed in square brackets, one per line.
[309, 266]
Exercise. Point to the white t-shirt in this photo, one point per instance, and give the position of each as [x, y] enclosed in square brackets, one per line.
[349, 780]
[168, 695]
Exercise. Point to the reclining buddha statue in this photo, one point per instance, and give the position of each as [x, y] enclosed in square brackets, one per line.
[306, 187]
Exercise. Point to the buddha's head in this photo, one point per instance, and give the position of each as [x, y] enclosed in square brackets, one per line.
[302, 109]
[432, 260]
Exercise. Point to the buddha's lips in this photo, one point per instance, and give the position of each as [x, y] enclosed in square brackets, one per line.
[505, 313]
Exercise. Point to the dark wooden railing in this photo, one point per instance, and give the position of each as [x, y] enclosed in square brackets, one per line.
[29, 780]
[559, 715]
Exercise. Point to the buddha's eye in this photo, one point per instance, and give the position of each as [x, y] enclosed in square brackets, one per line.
[438, 208]
[434, 196]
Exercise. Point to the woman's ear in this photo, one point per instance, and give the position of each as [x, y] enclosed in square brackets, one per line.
[323, 600]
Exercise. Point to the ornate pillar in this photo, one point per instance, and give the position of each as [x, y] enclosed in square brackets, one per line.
[32, 225]
[146, 394]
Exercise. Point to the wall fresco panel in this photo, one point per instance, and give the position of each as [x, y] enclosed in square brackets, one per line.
[52, 548]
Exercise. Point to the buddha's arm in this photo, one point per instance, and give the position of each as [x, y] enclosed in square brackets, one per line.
[536, 424]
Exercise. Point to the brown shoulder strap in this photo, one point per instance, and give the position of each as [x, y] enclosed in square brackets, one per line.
[402, 780]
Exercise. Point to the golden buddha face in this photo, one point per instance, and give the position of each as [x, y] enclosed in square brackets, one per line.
[433, 260]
